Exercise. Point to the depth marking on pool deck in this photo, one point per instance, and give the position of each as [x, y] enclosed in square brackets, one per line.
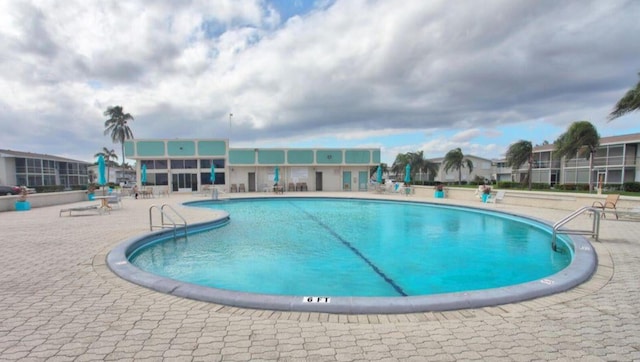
[354, 250]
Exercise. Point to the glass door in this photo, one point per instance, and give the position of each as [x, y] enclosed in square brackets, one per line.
[182, 182]
[346, 180]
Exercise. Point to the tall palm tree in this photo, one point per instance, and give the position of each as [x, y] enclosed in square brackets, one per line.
[419, 163]
[399, 164]
[455, 159]
[629, 103]
[116, 126]
[519, 153]
[109, 156]
[581, 139]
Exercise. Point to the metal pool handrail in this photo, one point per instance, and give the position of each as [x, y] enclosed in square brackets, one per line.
[164, 224]
[595, 228]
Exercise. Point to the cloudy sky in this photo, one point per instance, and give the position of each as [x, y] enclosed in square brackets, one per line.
[403, 76]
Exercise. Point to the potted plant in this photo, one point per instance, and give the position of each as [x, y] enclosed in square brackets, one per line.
[439, 193]
[91, 191]
[22, 204]
[486, 192]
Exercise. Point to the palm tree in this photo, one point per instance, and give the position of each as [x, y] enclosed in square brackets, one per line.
[519, 153]
[629, 103]
[581, 139]
[109, 156]
[117, 126]
[399, 164]
[419, 163]
[454, 159]
[374, 169]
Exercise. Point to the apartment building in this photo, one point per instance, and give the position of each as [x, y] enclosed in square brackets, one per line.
[615, 162]
[34, 169]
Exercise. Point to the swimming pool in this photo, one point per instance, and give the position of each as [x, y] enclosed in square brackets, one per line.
[356, 256]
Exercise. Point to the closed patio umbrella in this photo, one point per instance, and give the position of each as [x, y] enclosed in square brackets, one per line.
[102, 180]
[143, 176]
[407, 174]
[379, 174]
[276, 174]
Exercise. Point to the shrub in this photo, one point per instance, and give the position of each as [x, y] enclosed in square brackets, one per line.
[540, 186]
[508, 185]
[631, 186]
[573, 187]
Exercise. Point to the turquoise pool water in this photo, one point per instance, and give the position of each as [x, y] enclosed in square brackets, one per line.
[345, 247]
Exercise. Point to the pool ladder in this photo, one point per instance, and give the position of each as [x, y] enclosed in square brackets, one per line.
[595, 227]
[163, 216]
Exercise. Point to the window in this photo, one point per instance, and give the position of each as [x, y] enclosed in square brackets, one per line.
[162, 179]
[34, 165]
[207, 163]
[177, 164]
[161, 164]
[21, 165]
[184, 164]
[34, 181]
[49, 180]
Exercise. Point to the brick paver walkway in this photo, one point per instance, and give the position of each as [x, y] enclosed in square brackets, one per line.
[59, 302]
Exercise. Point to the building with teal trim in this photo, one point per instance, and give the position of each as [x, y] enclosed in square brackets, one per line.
[181, 165]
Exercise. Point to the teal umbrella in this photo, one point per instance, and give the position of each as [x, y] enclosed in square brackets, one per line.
[276, 176]
[143, 176]
[102, 178]
[407, 174]
[379, 174]
[212, 178]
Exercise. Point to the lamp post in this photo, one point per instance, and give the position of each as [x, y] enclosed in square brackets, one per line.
[230, 115]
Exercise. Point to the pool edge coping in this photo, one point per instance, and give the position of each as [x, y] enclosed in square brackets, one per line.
[581, 270]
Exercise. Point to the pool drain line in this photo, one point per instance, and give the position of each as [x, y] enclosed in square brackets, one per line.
[354, 250]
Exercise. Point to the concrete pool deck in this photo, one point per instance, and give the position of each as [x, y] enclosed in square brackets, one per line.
[59, 301]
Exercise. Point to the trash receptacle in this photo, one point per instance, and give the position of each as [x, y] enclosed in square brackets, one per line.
[214, 195]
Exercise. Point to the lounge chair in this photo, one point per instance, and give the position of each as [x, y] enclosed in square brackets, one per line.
[291, 187]
[498, 197]
[164, 191]
[609, 203]
[205, 190]
[234, 188]
[70, 210]
[397, 188]
[241, 188]
[278, 189]
[115, 199]
[630, 214]
[147, 192]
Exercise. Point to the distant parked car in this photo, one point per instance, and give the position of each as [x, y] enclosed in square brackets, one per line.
[9, 190]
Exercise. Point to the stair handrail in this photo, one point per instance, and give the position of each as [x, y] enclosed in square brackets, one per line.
[595, 228]
[164, 224]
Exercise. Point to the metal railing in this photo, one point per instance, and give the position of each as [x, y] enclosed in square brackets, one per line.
[595, 227]
[163, 216]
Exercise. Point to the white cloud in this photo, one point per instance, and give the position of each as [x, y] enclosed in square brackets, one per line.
[351, 70]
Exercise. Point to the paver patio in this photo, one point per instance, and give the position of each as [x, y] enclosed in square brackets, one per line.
[60, 302]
